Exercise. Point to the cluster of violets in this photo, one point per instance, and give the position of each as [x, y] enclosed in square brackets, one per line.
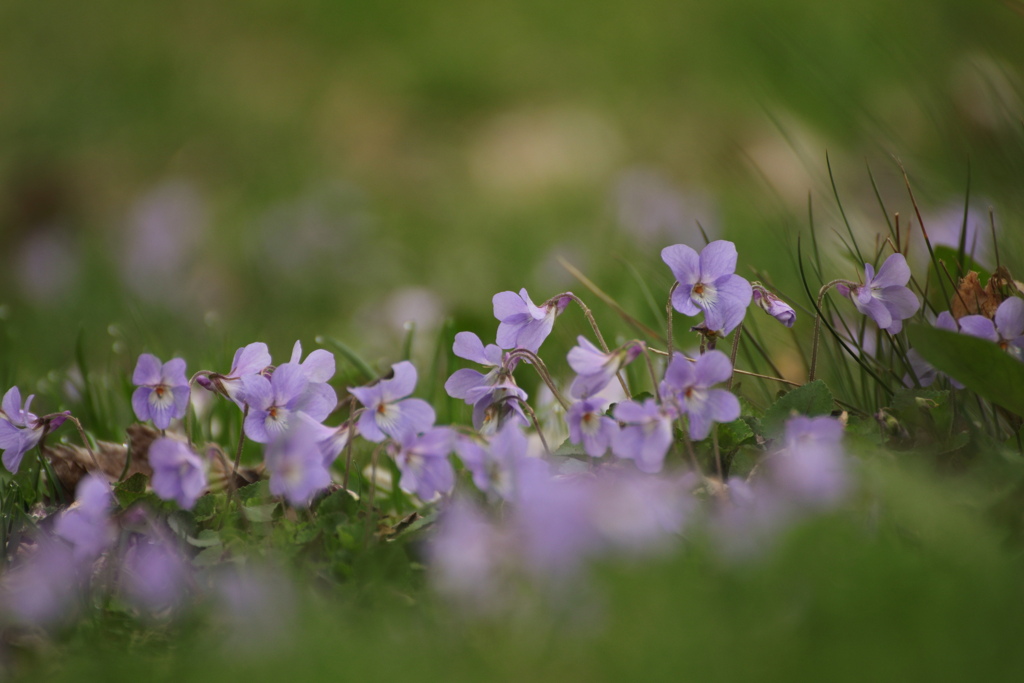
[533, 515]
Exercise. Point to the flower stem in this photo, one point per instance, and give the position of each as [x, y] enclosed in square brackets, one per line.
[668, 317]
[593, 325]
[533, 418]
[732, 356]
[541, 369]
[817, 323]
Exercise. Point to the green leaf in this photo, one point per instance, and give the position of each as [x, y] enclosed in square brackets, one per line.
[950, 256]
[254, 492]
[207, 538]
[131, 489]
[348, 354]
[978, 364]
[206, 507]
[813, 398]
[734, 434]
[260, 513]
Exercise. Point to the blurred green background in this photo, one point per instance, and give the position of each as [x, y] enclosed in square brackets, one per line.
[196, 175]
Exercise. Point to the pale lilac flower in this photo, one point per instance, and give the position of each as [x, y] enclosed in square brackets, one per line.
[637, 514]
[257, 610]
[21, 430]
[522, 324]
[43, 589]
[296, 465]
[423, 461]
[252, 359]
[469, 557]
[482, 391]
[708, 283]
[652, 210]
[1007, 330]
[388, 412]
[319, 366]
[884, 296]
[773, 305]
[811, 469]
[86, 525]
[178, 473]
[273, 403]
[498, 466]
[594, 368]
[646, 434]
[588, 425]
[154, 576]
[690, 386]
[748, 519]
[163, 390]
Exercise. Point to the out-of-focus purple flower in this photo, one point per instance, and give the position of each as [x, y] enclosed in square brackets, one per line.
[482, 391]
[884, 296]
[21, 430]
[639, 514]
[646, 434]
[522, 324]
[1007, 330]
[257, 610]
[923, 370]
[773, 305]
[748, 518]
[42, 589]
[594, 368]
[651, 209]
[296, 465]
[178, 473]
[498, 466]
[47, 264]
[423, 461]
[252, 359]
[86, 525]
[388, 412]
[690, 386]
[469, 557]
[811, 468]
[154, 576]
[588, 425]
[162, 393]
[274, 402]
[708, 283]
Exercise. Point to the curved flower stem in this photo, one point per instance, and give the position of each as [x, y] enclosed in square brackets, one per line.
[191, 411]
[533, 418]
[668, 317]
[81, 435]
[817, 323]
[593, 325]
[732, 356]
[541, 369]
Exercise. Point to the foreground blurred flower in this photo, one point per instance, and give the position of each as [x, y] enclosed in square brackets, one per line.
[178, 473]
[86, 525]
[163, 390]
[522, 324]
[811, 468]
[296, 465]
[884, 296]
[689, 385]
[388, 412]
[154, 576]
[21, 430]
[708, 283]
[42, 589]
[594, 368]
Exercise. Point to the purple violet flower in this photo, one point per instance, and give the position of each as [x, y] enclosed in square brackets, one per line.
[773, 305]
[154, 576]
[252, 359]
[498, 466]
[590, 426]
[273, 402]
[483, 391]
[163, 390]
[812, 467]
[423, 461]
[178, 473]
[1007, 330]
[318, 367]
[296, 465]
[468, 556]
[86, 524]
[646, 434]
[708, 283]
[924, 371]
[522, 324]
[884, 296]
[42, 589]
[689, 385]
[386, 413]
[21, 430]
[594, 368]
